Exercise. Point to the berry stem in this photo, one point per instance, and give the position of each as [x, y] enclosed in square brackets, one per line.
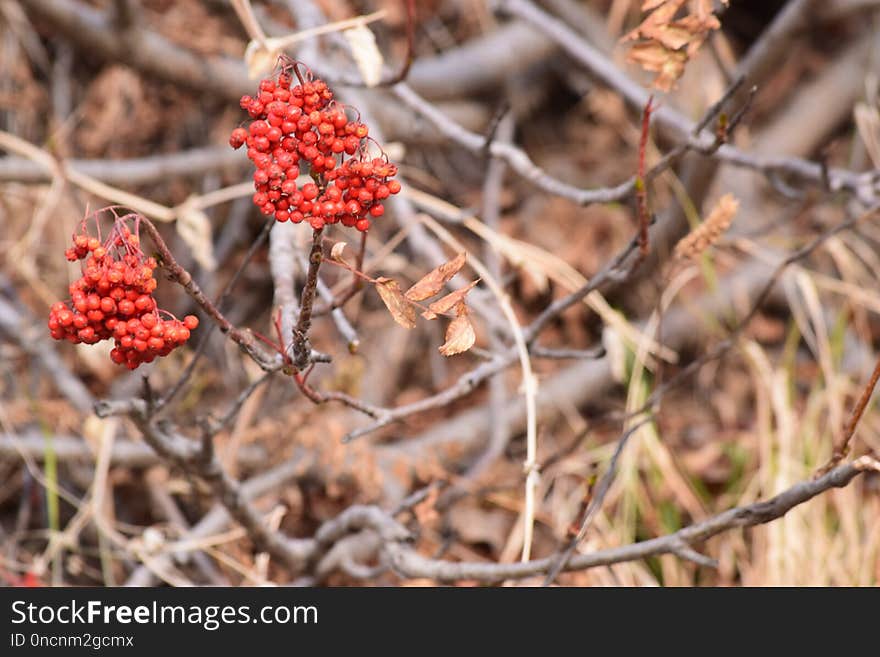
[178, 274]
[301, 349]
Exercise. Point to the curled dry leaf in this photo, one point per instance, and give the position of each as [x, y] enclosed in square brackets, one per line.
[432, 282]
[460, 334]
[664, 43]
[401, 310]
[337, 251]
[452, 299]
[668, 64]
[260, 57]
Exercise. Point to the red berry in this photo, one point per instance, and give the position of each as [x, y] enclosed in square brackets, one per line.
[238, 137]
[310, 191]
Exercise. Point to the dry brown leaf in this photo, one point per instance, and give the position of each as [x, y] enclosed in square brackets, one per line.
[401, 310]
[460, 334]
[452, 299]
[665, 44]
[651, 56]
[432, 282]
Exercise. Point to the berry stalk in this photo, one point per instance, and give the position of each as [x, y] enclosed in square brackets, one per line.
[301, 348]
[177, 273]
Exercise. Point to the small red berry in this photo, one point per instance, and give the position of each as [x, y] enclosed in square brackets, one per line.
[310, 191]
[238, 137]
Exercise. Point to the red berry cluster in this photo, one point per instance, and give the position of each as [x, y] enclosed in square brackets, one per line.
[114, 299]
[302, 125]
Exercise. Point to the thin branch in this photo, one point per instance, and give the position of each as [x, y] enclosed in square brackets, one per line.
[865, 187]
[409, 563]
[595, 503]
[641, 184]
[841, 449]
[125, 453]
[301, 349]
[134, 171]
[220, 303]
[244, 338]
[201, 461]
[538, 351]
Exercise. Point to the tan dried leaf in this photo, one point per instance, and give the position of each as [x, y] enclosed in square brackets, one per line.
[259, 58]
[668, 64]
[432, 282]
[401, 310]
[460, 334]
[664, 44]
[452, 299]
[337, 251]
[708, 232]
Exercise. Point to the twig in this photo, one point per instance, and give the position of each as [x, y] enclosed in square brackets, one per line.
[538, 351]
[342, 324]
[134, 171]
[841, 448]
[409, 563]
[530, 465]
[220, 303]
[595, 503]
[30, 336]
[676, 125]
[125, 453]
[202, 462]
[641, 184]
[499, 433]
[301, 349]
[177, 273]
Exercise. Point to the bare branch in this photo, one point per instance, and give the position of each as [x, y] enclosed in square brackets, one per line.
[409, 563]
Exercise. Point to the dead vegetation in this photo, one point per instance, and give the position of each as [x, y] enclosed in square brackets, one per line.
[611, 407]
